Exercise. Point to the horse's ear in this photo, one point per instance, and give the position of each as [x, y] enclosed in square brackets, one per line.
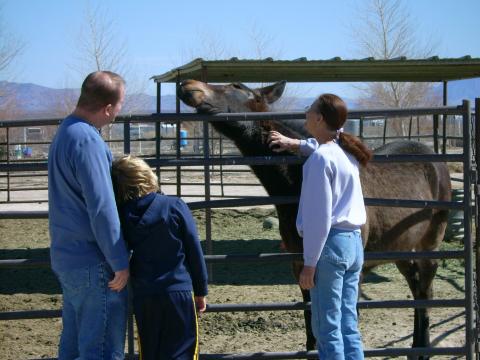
[273, 92]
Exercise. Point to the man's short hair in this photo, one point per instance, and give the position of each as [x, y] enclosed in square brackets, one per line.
[99, 89]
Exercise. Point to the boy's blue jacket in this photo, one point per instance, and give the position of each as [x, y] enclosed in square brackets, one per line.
[167, 255]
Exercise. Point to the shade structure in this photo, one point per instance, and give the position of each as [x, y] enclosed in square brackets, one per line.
[433, 69]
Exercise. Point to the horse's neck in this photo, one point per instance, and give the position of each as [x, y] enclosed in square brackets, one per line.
[273, 178]
[233, 130]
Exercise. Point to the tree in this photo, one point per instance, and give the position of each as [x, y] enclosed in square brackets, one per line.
[10, 46]
[384, 30]
[99, 46]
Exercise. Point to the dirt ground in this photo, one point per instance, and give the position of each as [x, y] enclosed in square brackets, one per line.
[234, 231]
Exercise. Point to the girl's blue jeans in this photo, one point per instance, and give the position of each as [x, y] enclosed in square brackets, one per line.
[94, 317]
[334, 297]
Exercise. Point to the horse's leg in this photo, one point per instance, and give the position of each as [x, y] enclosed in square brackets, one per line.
[409, 270]
[419, 275]
[427, 268]
[307, 314]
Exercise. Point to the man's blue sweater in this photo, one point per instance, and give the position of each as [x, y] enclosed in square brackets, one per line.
[167, 255]
[83, 217]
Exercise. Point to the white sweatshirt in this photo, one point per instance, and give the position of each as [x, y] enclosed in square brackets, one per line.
[331, 196]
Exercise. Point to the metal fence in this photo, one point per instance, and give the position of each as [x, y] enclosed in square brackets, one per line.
[27, 141]
[469, 177]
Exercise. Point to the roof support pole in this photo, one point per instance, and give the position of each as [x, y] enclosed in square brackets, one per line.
[444, 118]
[157, 129]
[477, 219]
[206, 174]
[445, 93]
[159, 97]
[177, 140]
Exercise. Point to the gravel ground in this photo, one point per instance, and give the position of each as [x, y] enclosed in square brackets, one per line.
[234, 231]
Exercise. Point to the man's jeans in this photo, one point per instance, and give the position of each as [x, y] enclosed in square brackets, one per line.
[334, 297]
[94, 317]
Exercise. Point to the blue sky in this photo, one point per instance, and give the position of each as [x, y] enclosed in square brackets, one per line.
[159, 34]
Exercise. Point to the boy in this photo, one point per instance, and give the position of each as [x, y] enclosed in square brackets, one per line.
[166, 265]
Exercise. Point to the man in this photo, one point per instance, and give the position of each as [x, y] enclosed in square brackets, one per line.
[87, 250]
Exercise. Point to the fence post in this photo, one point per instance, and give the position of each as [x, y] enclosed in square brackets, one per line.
[126, 137]
[208, 211]
[157, 129]
[410, 128]
[177, 142]
[444, 134]
[8, 163]
[418, 128]
[477, 223]
[384, 129]
[221, 166]
[468, 246]
[435, 133]
[130, 328]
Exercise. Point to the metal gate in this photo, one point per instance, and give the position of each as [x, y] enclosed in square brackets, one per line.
[470, 178]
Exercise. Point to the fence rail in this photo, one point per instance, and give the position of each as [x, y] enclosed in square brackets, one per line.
[129, 124]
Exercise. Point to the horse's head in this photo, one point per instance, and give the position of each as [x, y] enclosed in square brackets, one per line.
[232, 98]
[235, 97]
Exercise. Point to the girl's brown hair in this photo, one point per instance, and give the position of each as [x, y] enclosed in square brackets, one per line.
[334, 111]
[132, 178]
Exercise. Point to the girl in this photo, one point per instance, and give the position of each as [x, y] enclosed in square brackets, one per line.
[330, 214]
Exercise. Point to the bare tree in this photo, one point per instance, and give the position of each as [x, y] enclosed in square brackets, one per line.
[264, 44]
[384, 30]
[206, 44]
[97, 47]
[10, 46]
[100, 47]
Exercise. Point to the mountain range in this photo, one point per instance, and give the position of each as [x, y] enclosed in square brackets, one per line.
[36, 101]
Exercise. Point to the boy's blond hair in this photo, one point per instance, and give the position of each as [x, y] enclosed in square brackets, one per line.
[132, 178]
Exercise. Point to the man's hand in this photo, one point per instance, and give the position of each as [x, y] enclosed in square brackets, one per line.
[201, 304]
[279, 142]
[307, 278]
[119, 281]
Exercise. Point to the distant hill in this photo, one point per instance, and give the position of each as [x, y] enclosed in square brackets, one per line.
[35, 101]
[31, 100]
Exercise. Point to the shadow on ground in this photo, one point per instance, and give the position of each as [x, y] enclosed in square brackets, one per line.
[27, 280]
[250, 272]
[42, 280]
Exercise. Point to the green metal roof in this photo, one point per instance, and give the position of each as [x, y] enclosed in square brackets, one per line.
[334, 70]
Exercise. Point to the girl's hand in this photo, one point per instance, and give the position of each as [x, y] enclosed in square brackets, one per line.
[279, 142]
[307, 277]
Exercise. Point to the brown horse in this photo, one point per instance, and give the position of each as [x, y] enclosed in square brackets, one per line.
[387, 228]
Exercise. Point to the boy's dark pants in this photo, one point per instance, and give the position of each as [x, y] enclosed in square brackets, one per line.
[167, 326]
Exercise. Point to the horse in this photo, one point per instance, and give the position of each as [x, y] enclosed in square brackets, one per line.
[387, 228]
